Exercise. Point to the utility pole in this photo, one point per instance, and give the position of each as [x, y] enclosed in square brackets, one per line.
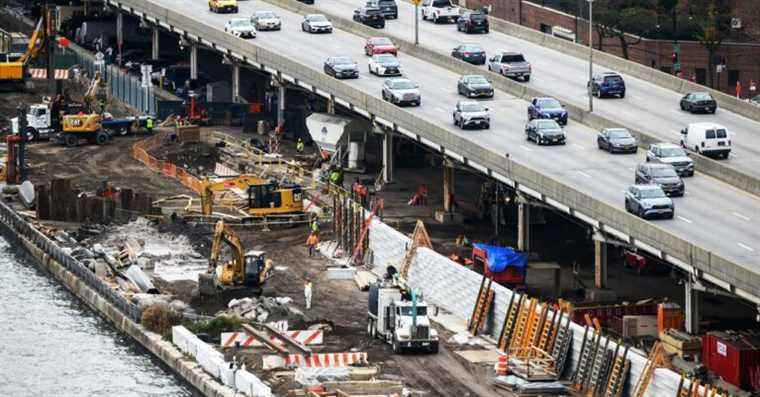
[48, 36]
[590, 53]
[416, 21]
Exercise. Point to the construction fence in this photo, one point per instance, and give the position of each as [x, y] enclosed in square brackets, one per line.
[140, 152]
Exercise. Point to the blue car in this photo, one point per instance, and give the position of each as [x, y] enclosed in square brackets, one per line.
[607, 84]
[547, 108]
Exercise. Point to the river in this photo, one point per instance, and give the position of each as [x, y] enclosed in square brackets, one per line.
[51, 344]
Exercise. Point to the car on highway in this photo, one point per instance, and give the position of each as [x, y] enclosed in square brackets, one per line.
[547, 108]
[669, 153]
[545, 132]
[401, 91]
[341, 68]
[380, 45]
[307, 1]
[709, 139]
[660, 174]
[220, 6]
[388, 7]
[471, 114]
[384, 65]
[266, 20]
[649, 201]
[470, 52]
[694, 102]
[240, 27]
[439, 11]
[510, 64]
[370, 15]
[617, 140]
[472, 22]
[316, 23]
[475, 86]
[607, 84]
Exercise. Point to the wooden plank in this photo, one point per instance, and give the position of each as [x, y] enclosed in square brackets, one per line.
[264, 339]
[287, 340]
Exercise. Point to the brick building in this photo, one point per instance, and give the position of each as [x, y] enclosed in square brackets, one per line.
[742, 60]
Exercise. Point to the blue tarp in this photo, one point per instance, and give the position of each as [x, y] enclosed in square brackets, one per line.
[499, 258]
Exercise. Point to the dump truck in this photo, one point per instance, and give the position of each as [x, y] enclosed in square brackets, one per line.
[398, 316]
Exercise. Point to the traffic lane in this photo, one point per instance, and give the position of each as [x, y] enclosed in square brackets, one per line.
[647, 106]
[557, 161]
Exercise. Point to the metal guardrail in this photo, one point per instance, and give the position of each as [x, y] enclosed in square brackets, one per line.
[22, 228]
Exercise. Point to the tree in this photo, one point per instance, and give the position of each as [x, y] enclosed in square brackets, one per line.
[621, 18]
[712, 21]
[750, 14]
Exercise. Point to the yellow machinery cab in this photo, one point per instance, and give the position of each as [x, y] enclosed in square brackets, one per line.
[223, 6]
[273, 199]
[82, 126]
[254, 263]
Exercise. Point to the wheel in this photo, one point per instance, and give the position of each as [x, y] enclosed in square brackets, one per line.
[599, 145]
[30, 134]
[714, 110]
[382, 94]
[303, 29]
[101, 137]
[369, 326]
[456, 123]
[72, 140]
[622, 95]
[681, 105]
[690, 109]
[526, 79]
[396, 346]
[124, 131]
[487, 126]
[433, 347]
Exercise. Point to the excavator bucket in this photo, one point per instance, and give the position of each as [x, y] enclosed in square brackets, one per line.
[207, 284]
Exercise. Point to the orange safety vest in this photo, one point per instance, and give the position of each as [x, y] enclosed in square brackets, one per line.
[312, 240]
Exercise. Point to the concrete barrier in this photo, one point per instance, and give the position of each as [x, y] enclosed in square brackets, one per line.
[608, 218]
[525, 91]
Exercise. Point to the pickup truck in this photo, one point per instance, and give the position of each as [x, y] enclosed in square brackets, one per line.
[510, 64]
[439, 10]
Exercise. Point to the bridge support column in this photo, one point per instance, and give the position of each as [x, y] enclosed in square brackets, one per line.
[193, 61]
[281, 104]
[600, 262]
[236, 82]
[331, 105]
[692, 307]
[155, 49]
[448, 215]
[388, 157]
[119, 36]
[523, 224]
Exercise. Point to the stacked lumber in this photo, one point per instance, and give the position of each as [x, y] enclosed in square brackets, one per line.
[680, 343]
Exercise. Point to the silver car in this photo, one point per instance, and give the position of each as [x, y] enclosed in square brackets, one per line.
[316, 23]
[669, 153]
[649, 201]
[471, 114]
[401, 91]
[240, 27]
[266, 20]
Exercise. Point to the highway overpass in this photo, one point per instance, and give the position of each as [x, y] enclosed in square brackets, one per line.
[714, 236]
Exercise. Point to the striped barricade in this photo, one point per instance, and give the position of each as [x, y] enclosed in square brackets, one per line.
[308, 337]
[317, 360]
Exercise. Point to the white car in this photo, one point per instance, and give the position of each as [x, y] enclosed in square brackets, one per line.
[266, 20]
[400, 91]
[384, 65]
[240, 27]
[316, 23]
[439, 10]
[471, 114]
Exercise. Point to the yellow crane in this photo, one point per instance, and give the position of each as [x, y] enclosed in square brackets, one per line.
[262, 197]
[247, 271]
[13, 72]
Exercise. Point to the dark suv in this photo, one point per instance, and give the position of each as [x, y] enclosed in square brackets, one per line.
[660, 174]
[473, 21]
[607, 84]
[470, 52]
[388, 7]
[370, 16]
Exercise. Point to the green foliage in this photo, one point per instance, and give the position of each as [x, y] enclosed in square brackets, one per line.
[215, 326]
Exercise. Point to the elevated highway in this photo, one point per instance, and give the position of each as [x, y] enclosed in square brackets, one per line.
[714, 235]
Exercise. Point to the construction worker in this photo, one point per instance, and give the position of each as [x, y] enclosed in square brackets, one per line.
[149, 125]
[334, 176]
[102, 105]
[299, 146]
[314, 225]
[307, 293]
[738, 89]
[312, 242]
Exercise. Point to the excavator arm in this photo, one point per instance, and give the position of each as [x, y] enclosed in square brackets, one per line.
[37, 38]
[208, 189]
[233, 271]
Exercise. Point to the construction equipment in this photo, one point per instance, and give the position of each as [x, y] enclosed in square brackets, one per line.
[194, 112]
[504, 265]
[13, 70]
[259, 197]
[398, 316]
[248, 272]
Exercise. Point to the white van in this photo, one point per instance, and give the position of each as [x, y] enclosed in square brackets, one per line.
[709, 139]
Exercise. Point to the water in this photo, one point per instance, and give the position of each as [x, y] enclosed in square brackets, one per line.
[51, 344]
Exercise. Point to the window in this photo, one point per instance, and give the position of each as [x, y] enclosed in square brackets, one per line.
[721, 133]
[512, 58]
[710, 134]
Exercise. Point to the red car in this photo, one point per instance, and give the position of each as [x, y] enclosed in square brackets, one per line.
[379, 45]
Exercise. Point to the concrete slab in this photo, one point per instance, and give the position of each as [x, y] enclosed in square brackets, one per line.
[341, 273]
[479, 356]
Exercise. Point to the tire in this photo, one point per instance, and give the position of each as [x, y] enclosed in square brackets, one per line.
[396, 346]
[714, 110]
[369, 327]
[433, 348]
[690, 109]
[30, 134]
[681, 105]
[123, 131]
[526, 79]
[487, 126]
[71, 140]
[622, 95]
[101, 138]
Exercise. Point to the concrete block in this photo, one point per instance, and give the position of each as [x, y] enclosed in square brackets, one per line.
[341, 273]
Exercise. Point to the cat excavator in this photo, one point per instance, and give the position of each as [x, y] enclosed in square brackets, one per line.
[259, 197]
[247, 272]
[14, 71]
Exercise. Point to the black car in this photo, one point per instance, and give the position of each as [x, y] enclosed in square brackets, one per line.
[370, 16]
[617, 140]
[699, 102]
[307, 1]
[388, 7]
[474, 86]
[660, 174]
[470, 53]
[473, 21]
[341, 68]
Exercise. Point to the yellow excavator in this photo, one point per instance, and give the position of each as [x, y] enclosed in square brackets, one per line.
[262, 197]
[89, 126]
[247, 272]
[13, 71]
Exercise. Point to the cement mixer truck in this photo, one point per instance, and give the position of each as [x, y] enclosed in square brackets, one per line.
[399, 317]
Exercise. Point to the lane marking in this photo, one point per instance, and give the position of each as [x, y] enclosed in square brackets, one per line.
[526, 148]
[740, 216]
[579, 146]
[585, 174]
[440, 109]
[748, 248]
[684, 219]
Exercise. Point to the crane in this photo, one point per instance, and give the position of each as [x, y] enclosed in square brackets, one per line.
[13, 72]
